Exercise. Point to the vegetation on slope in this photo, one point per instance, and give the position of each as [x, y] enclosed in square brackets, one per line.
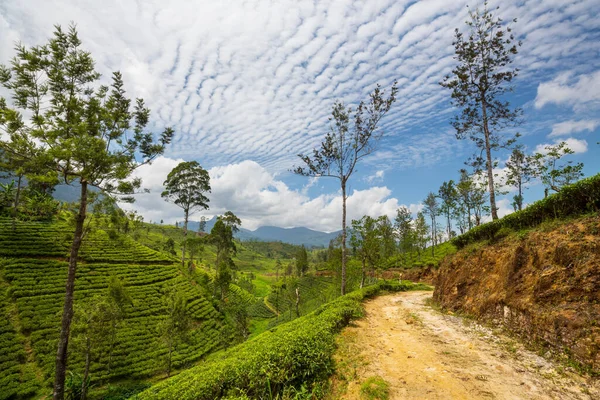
[573, 200]
[292, 357]
[34, 288]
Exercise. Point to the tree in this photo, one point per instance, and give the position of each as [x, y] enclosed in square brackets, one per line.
[465, 189]
[231, 220]
[432, 209]
[84, 132]
[175, 328]
[482, 76]
[277, 269]
[365, 242]
[185, 187]
[352, 136]
[518, 174]
[221, 236]
[403, 227]
[301, 261]
[421, 232]
[202, 224]
[96, 323]
[386, 237]
[554, 176]
[447, 193]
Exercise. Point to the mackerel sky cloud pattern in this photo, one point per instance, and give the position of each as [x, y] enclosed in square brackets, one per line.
[255, 80]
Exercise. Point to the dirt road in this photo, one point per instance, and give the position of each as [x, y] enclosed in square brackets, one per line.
[424, 354]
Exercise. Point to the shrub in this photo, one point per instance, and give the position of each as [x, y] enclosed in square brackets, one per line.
[580, 198]
[292, 355]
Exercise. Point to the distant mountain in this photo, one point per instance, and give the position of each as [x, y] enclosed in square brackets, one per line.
[298, 236]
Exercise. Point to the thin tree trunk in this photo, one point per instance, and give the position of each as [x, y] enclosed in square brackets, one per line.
[343, 237]
[15, 209]
[86, 371]
[362, 280]
[520, 203]
[488, 154]
[67, 316]
[297, 302]
[185, 224]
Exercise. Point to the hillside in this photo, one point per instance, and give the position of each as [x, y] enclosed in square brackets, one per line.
[32, 276]
[543, 284]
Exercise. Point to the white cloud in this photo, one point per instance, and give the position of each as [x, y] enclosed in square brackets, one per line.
[377, 176]
[258, 198]
[256, 80]
[578, 146]
[569, 127]
[566, 89]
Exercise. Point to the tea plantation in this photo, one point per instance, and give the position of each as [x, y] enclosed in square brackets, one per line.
[33, 271]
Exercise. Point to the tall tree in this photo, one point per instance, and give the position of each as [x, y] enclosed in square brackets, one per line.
[554, 176]
[221, 236]
[352, 136]
[231, 220]
[519, 173]
[387, 238]
[185, 187]
[479, 81]
[421, 231]
[175, 328]
[84, 132]
[465, 188]
[301, 261]
[403, 225]
[432, 208]
[366, 244]
[448, 195]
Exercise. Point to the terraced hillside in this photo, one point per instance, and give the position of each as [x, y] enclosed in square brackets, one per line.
[33, 271]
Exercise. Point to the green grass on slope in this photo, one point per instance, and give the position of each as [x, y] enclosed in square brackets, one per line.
[32, 284]
[274, 362]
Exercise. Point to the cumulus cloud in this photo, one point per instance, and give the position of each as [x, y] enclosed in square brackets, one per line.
[570, 90]
[577, 145]
[569, 127]
[258, 198]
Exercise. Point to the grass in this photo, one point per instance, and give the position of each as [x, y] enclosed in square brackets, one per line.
[375, 388]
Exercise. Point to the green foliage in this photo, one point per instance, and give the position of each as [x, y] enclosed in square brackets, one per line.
[15, 380]
[185, 186]
[545, 166]
[375, 388]
[301, 261]
[134, 275]
[577, 199]
[479, 81]
[290, 356]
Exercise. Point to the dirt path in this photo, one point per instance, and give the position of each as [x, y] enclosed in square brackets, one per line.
[424, 354]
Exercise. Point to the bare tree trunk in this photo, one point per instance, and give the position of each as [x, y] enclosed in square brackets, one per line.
[67, 316]
[15, 209]
[86, 371]
[362, 280]
[489, 163]
[343, 237]
[297, 302]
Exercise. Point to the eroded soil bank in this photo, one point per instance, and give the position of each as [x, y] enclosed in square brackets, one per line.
[424, 354]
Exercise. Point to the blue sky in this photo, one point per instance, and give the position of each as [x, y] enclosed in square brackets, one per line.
[249, 84]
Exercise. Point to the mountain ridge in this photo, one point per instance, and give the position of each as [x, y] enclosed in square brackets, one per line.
[297, 235]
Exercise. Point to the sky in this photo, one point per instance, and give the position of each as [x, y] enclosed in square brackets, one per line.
[248, 85]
